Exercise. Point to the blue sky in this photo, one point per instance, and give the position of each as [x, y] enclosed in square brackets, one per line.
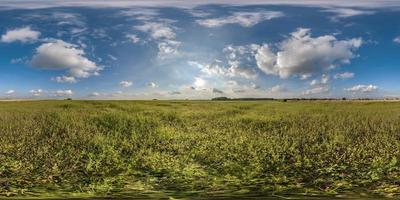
[199, 49]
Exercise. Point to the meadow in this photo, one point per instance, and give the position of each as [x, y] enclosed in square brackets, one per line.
[199, 149]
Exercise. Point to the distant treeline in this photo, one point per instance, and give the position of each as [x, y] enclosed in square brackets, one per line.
[240, 99]
[288, 99]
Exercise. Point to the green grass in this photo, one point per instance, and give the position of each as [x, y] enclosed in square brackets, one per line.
[179, 149]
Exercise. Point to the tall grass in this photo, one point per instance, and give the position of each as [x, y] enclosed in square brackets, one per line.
[184, 148]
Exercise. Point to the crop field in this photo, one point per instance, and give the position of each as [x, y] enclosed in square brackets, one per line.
[199, 149]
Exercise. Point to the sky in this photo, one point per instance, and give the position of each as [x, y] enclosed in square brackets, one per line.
[199, 49]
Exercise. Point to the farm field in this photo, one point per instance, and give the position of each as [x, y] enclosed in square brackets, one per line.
[199, 149]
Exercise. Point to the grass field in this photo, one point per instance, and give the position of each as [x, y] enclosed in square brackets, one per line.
[162, 149]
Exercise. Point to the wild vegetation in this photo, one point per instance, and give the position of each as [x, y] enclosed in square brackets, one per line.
[162, 149]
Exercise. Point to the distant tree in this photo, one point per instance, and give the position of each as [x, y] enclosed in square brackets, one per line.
[344, 99]
[220, 99]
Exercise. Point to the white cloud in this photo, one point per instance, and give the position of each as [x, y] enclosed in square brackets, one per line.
[305, 76]
[140, 13]
[266, 60]
[64, 79]
[344, 75]
[94, 94]
[302, 54]
[63, 93]
[232, 69]
[157, 30]
[348, 12]
[112, 57]
[125, 83]
[133, 38]
[152, 85]
[235, 69]
[37, 92]
[164, 35]
[246, 19]
[199, 82]
[10, 92]
[237, 63]
[324, 80]
[198, 13]
[24, 34]
[277, 89]
[167, 48]
[314, 82]
[18, 60]
[362, 89]
[64, 18]
[317, 90]
[397, 40]
[60, 55]
[254, 86]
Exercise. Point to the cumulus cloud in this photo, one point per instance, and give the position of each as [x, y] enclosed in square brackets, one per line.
[254, 86]
[133, 38]
[63, 93]
[242, 88]
[362, 89]
[157, 30]
[215, 68]
[60, 55]
[231, 69]
[237, 62]
[163, 33]
[152, 85]
[305, 76]
[267, 60]
[324, 80]
[246, 19]
[94, 94]
[344, 75]
[317, 90]
[301, 54]
[277, 89]
[235, 69]
[125, 83]
[112, 95]
[199, 82]
[37, 92]
[10, 92]
[167, 48]
[64, 79]
[24, 34]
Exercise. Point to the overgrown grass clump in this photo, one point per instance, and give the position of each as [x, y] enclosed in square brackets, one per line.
[198, 148]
